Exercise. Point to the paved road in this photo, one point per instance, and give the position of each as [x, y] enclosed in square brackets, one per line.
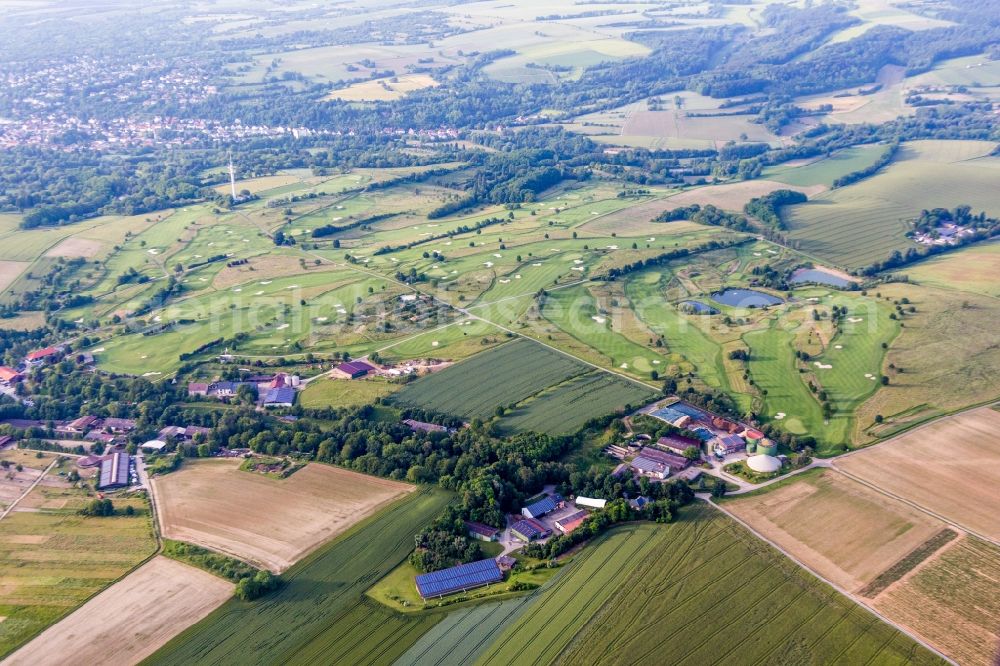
[708, 498]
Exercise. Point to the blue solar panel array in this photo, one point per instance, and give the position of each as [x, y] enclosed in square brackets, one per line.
[456, 579]
[668, 414]
[704, 434]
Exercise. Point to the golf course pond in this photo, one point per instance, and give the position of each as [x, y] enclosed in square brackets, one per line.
[697, 307]
[745, 298]
[819, 276]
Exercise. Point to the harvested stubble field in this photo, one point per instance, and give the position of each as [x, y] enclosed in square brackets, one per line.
[10, 271]
[699, 590]
[952, 601]
[838, 527]
[320, 613]
[131, 619]
[269, 522]
[502, 376]
[961, 483]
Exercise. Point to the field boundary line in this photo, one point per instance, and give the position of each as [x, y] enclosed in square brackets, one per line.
[900, 628]
[947, 521]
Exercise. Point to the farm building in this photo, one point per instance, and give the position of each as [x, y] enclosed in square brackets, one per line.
[506, 562]
[182, 433]
[726, 425]
[639, 502]
[764, 464]
[353, 369]
[280, 397]
[5, 441]
[80, 425]
[9, 376]
[767, 447]
[462, 578]
[678, 443]
[197, 388]
[118, 425]
[114, 472]
[703, 433]
[547, 504]
[40, 356]
[752, 434]
[153, 445]
[481, 531]
[529, 529]
[420, 426]
[98, 436]
[591, 502]
[671, 415]
[729, 444]
[675, 462]
[650, 467]
[569, 523]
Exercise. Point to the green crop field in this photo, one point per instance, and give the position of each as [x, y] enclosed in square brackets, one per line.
[463, 634]
[859, 224]
[700, 590]
[562, 409]
[503, 376]
[826, 170]
[320, 614]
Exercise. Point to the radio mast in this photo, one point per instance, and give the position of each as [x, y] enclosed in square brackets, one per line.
[232, 175]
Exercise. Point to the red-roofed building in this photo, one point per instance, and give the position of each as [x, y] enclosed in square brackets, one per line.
[39, 356]
[571, 522]
[752, 434]
[9, 375]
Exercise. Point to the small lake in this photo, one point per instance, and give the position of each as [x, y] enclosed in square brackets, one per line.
[745, 298]
[819, 276]
[699, 308]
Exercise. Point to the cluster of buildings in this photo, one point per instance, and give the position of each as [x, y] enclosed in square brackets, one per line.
[718, 435]
[107, 431]
[946, 234]
[270, 390]
[676, 455]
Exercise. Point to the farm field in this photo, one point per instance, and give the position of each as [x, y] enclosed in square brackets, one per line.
[710, 130]
[961, 484]
[951, 601]
[503, 376]
[937, 582]
[325, 392]
[926, 358]
[136, 615]
[320, 614]
[205, 503]
[733, 196]
[798, 517]
[861, 223]
[973, 269]
[763, 607]
[564, 408]
[383, 89]
[52, 559]
[464, 633]
[828, 169]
